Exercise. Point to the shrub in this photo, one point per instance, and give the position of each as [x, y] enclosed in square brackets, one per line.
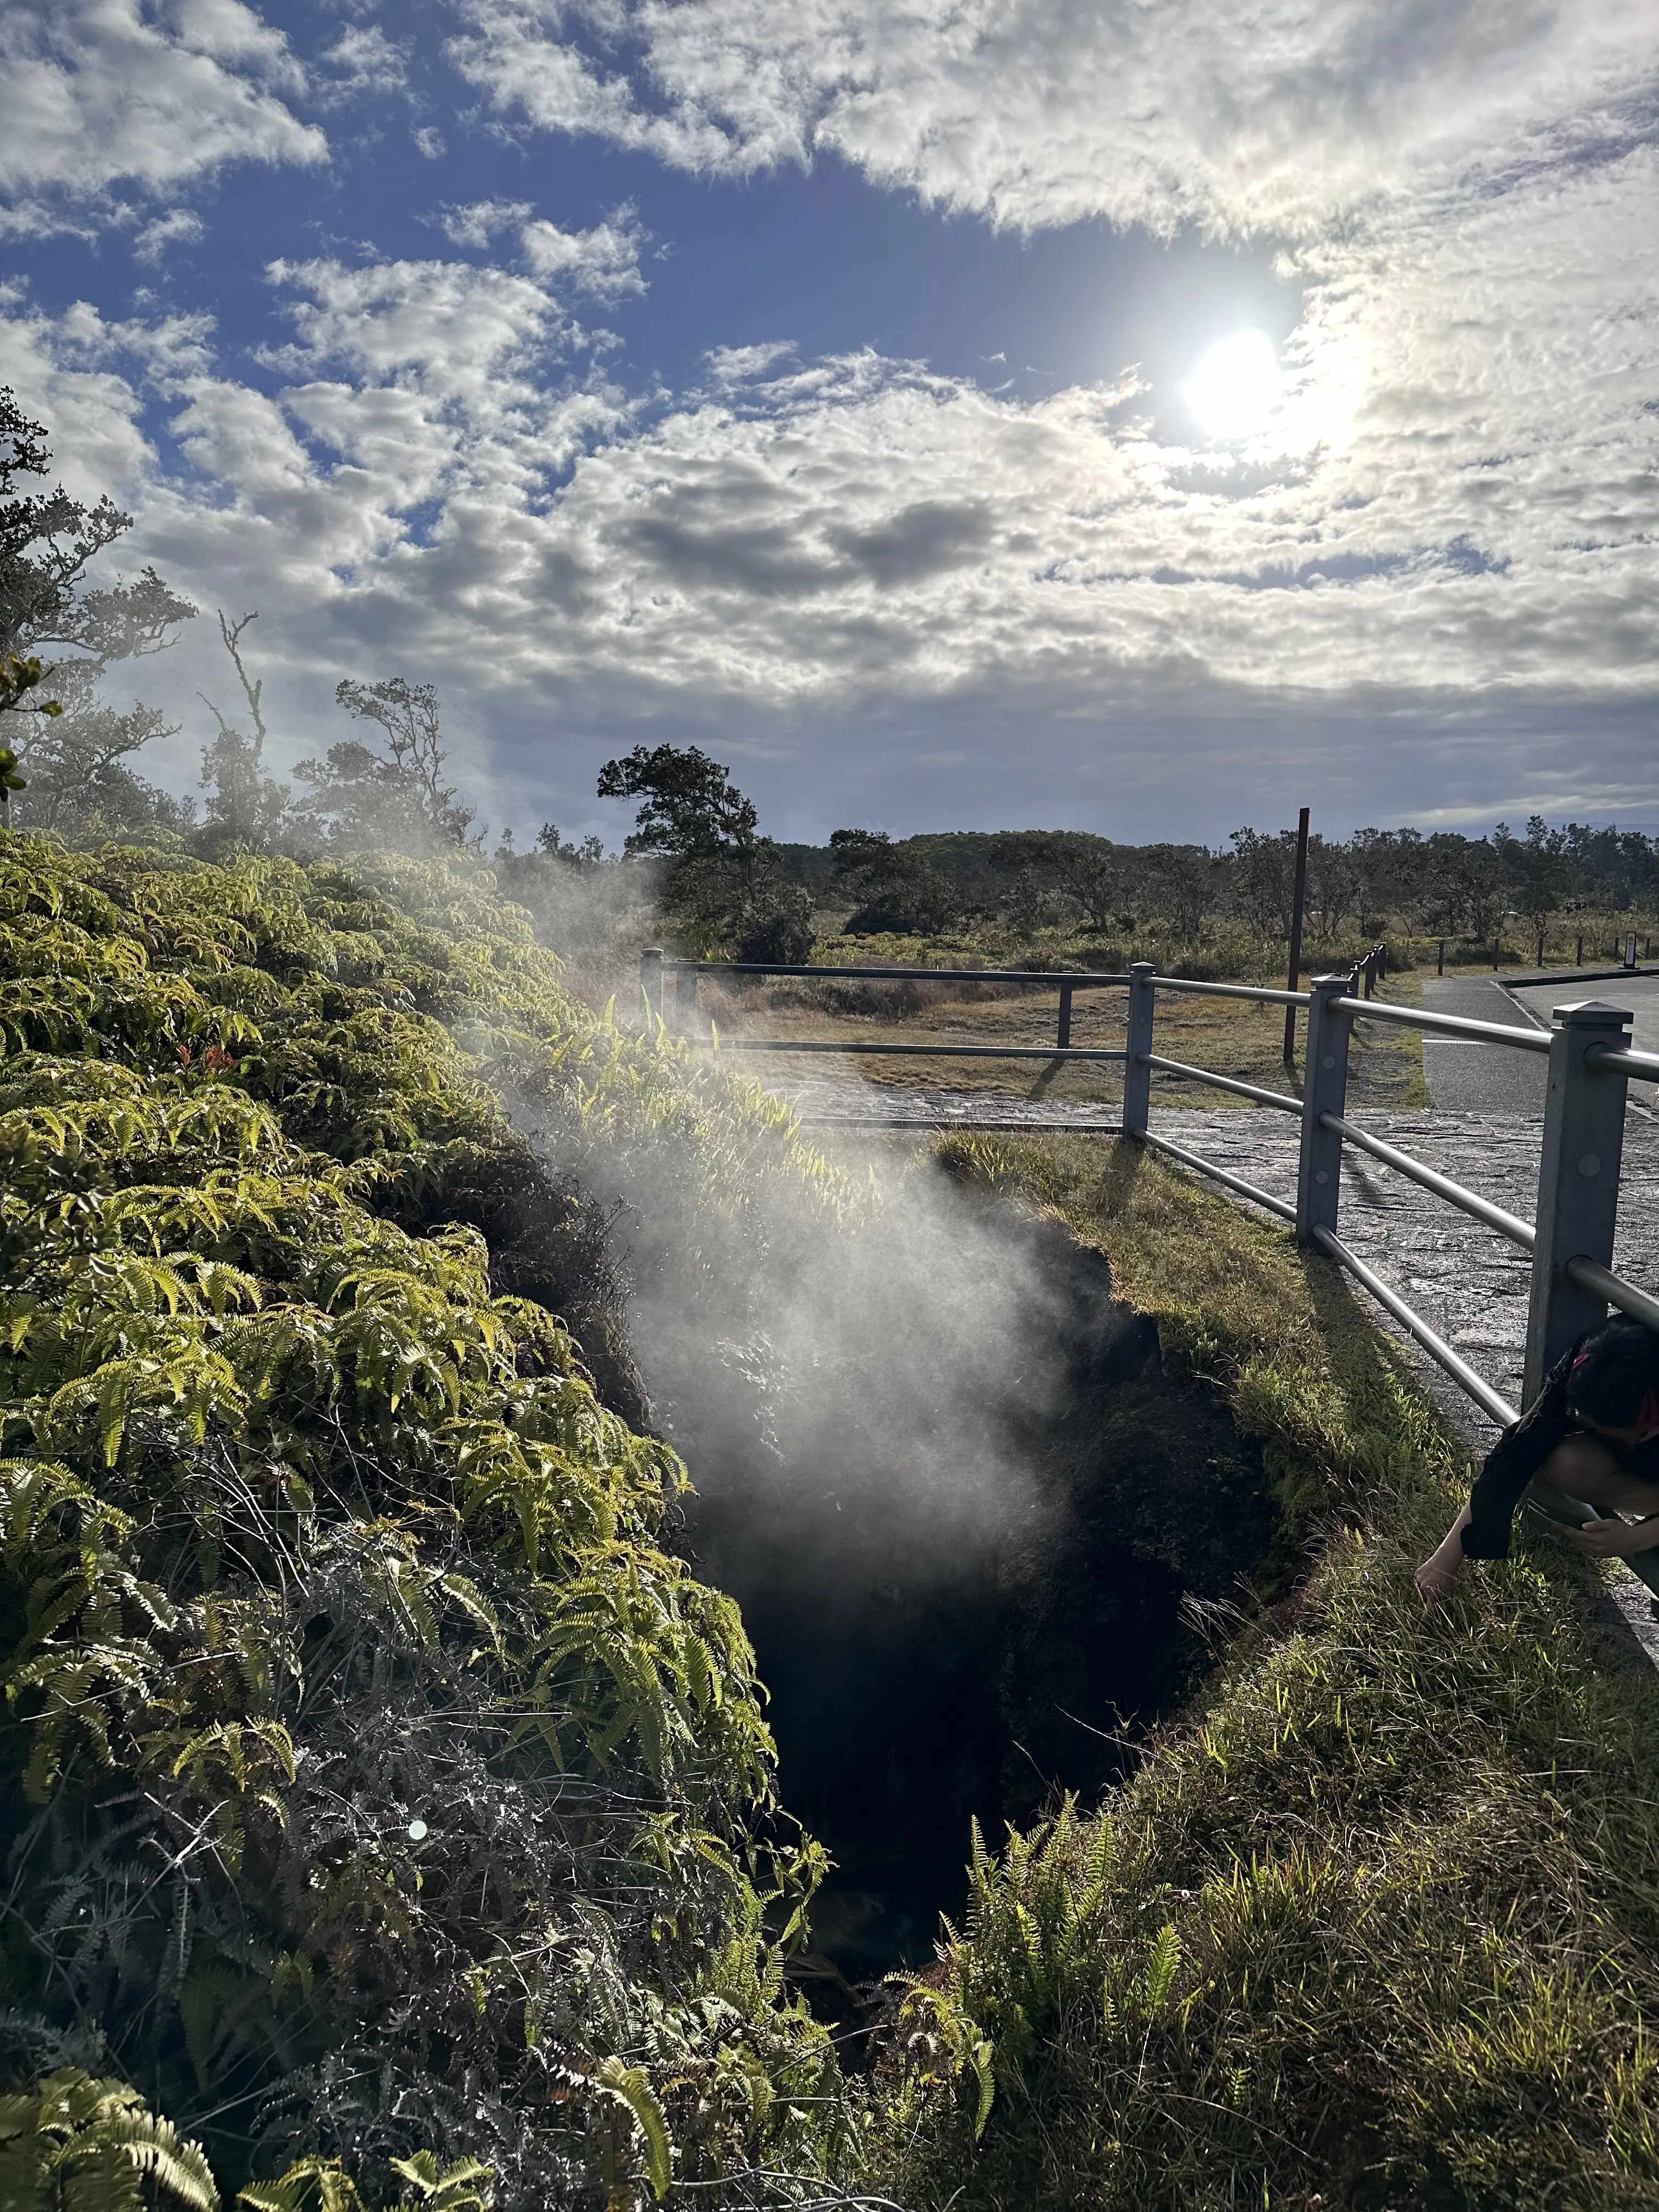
[380, 1790]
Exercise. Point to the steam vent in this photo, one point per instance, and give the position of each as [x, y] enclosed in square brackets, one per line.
[966, 1512]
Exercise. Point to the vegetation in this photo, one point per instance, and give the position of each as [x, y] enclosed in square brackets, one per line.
[381, 1789]
[723, 888]
[388, 1813]
[1059, 898]
[58, 636]
[1373, 1926]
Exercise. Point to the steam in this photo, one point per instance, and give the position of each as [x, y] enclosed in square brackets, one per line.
[855, 1406]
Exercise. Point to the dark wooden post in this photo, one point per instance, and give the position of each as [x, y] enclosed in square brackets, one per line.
[1063, 1040]
[1298, 900]
[1440, 959]
[1578, 956]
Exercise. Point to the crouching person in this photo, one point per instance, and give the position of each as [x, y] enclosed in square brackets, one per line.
[1593, 1431]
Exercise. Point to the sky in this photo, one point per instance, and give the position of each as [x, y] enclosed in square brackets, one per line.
[951, 414]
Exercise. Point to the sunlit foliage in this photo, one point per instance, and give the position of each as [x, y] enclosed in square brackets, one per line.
[382, 1797]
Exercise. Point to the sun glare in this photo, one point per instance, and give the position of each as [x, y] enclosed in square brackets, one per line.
[1235, 388]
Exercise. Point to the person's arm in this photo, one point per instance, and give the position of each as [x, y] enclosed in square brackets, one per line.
[1439, 1571]
[1511, 1463]
[1614, 1539]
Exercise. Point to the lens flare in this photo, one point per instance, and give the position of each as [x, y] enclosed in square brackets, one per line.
[1235, 387]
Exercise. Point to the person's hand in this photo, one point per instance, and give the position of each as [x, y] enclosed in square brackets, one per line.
[1437, 1577]
[1614, 1539]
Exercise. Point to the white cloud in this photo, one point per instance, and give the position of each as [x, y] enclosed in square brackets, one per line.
[178, 227]
[482, 221]
[732, 366]
[1436, 509]
[364, 59]
[1275, 115]
[1457, 502]
[98, 94]
[604, 262]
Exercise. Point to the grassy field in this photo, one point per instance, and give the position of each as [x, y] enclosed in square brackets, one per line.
[1231, 1036]
[1377, 1925]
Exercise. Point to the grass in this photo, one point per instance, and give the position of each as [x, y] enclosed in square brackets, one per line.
[1377, 1925]
[1232, 1036]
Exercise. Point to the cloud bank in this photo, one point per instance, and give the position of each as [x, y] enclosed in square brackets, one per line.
[1456, 501]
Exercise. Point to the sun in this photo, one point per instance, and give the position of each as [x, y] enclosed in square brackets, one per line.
[1235, 387]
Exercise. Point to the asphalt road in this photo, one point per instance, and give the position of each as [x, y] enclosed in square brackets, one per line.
[1467, 1077]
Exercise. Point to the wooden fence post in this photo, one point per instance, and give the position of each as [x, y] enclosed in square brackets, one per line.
[1298, 901]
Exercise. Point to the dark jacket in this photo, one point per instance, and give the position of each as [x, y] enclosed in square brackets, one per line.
[1520, 1453]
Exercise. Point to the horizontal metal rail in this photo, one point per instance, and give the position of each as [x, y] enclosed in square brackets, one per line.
[1223, 1083]
[1037, 978]
[1413, 1018]
[1644, 1064]
[1258, 992]
[1220, 1175]
[1467, 1201]
[926, 1124]
[1615, 1289]
[1436, 1346]
[916, 1051]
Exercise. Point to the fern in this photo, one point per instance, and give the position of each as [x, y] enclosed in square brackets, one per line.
[76, 2144]
[371, 1739]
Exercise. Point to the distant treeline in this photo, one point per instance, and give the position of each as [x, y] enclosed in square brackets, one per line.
[1441, 884]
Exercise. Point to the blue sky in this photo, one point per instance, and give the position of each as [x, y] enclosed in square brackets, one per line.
[811, 385]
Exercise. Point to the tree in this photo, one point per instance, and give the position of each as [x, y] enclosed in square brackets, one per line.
[58, 637]
[1265, 873]
[589, 853]
[1078, 867]
[724, 884]
[245, 805]
[896, 890]
[1335, 886]
[362, 797]
[1465, 889]
[1180, 884]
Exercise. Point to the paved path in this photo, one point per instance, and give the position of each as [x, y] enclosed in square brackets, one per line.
[1470, 1284]
[1469, 1076]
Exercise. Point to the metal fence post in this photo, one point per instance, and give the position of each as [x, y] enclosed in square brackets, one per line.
[1578, 1181]
[1137, 1075]
[1324, 1090]
[651, 979]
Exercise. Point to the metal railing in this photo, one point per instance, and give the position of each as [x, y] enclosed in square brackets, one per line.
[672, 985]
[1569, 1240]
